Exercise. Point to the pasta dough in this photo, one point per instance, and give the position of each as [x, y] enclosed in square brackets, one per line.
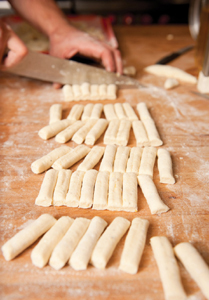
[111, 92]
[134, 246]
[74, 192]
[85, 90]
[130, 113]
[65, 135]
[27, 236]
[133, 163]
[51, 130]
[170, 83]
[148, 161]
[120, 111]
[81, 134]
[55, 113]
[96, 131]
[94, 88]
[87, 190]
[168, 268]
[76, 112]
[109, 112]
[68, 93]
[121, 159]
[123, 132]
[96, 111]
[87, 112]
[115, 201]
[91, 159]
[108, 158]
[77, 94]
[165, 166]
[130, 198]
[101, 191]
[140, 134]
[111, 132]
[62, 187]
[102, 91]
[108, 241]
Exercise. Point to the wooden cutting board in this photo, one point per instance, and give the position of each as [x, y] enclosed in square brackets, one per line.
[182, 120]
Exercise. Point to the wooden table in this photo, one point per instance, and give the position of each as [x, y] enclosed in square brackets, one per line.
[182, 120]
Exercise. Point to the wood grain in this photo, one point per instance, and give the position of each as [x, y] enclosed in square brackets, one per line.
[182, 120]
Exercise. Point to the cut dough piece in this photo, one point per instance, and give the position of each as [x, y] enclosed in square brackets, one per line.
[203, 83]
[165, 166]
[96, 131]
[148, 161]
[130, 196]
[195, 265]
[45, 196]
[87, 112]
[109, 112]
[53, 129]
[61, 188]
[27, 236]
[120, 111]
[143, 111]
[156, 205]
[77, 92]
[81, 134]
[130, 113]
[108, 241]
[134, 246]
[85, 91]
[121, 159]
[129, 71]
[102, 91]
[101, 191]
[42, 252]
[68, 93]
[96, 111]
[170, 83]
[65, 135]
[63, 251]
[108, 158]
[123, 133]
[94, 89]
[169, 71]
[133, 163]
[152, 133]
[111, 92]
[140, 134]
[168, 268]
[82, 254]
[75, 112]
[74, 192]
[44, 163]
[111, 132]
[67, 160]
[115, 201]
[87, 190]
[55, 113]
[91, 159]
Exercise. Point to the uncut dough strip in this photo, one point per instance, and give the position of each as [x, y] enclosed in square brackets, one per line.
[87, 190]
[67, 160]
[96, 111]
[45, 196]
[53, 129]
[134, 246]
[64, 249]
[109, 112]
[111, 92]
[55, 113]
[168, 268]
[102, 91]
[85, 90]
[148, 161]
[65, 135]
[101, 191]
[121, 159]
[123, 132]
[96, 131]
[140, 134]
[46, 161]
[75, 112]
[194, 264]
[82, 254]
[115, 201]
[74, 192]
[120, 111]
[165, 166]
[87, 112]
[156, 205]
[76, 92]
[130, 194]
[42, 252]
[94, 90]
[68, 93]
[61, 188]
[108, 242]
[108, 159]
[27, 236]
[134, 160]
[111, 132]
[81, 134]
[91, 159]
[130, 113]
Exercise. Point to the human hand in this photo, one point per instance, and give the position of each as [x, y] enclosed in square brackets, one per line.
[9, 40]
[68, 41]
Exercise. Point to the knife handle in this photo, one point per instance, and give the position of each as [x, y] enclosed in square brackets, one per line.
[167, 59]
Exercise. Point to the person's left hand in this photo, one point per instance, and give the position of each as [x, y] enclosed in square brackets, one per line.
[68, 41]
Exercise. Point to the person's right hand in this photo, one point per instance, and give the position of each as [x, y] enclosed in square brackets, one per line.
[10, 41]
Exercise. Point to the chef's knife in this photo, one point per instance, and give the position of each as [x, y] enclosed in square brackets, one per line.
[174, 55]
[49, 68]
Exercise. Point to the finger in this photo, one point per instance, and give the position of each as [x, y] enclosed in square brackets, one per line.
[57, 86]
[118, 61]
[3, 40]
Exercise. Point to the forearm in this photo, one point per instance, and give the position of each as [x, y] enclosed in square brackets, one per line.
[43, 14]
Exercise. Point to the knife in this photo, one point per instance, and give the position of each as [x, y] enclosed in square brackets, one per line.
[49, 68]
[174, 55]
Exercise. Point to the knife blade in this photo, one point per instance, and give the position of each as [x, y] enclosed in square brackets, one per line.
[49, 68]
[174, 55]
